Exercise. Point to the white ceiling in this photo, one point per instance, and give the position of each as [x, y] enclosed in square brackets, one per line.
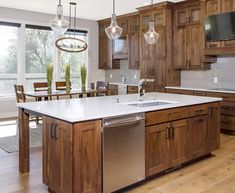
[88, 9]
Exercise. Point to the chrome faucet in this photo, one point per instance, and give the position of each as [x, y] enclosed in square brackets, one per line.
[141, 90]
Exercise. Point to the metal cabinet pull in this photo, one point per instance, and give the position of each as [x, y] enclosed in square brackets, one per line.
[53, 131]
[168, 133]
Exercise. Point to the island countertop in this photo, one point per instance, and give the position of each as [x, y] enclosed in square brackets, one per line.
[84, 109]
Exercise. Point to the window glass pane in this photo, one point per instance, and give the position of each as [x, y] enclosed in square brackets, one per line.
[7, 86]
[30, 81]
[75, 60]
[8, 49]
[39, 47]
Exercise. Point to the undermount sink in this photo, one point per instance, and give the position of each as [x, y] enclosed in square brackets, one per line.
[151, 103]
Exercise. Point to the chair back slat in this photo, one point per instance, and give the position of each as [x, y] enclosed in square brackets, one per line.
[40, 86]
[61, 85]
[19, 91]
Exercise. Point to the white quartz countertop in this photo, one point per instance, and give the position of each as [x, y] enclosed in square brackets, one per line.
[123, 84]
[201, 89]
[84, 109]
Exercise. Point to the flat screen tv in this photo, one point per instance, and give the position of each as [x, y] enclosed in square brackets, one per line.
[220, 27]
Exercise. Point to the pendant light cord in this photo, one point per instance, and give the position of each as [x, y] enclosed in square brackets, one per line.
[59, 2]
[151, 2]
[70, 17]
[75, 18]
[113, 6]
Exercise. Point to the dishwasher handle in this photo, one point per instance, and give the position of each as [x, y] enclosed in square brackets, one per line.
[116, 122]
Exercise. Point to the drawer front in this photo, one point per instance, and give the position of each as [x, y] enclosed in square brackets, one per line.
[178, 91]
[132, 89]
[199, 93]
[228, 122]
[157, 117]
[198, 110]
[228, 109]
[226, 96]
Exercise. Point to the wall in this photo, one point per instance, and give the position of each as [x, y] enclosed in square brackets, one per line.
[115, 76]
[26, 17]
[224, 70]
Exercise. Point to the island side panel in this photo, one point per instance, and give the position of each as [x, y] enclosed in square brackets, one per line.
[23, 141]
[87, 157]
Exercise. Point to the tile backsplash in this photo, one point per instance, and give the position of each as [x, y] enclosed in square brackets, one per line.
[115, 76]
[221, 75]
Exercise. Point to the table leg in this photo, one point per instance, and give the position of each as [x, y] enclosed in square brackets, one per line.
[23, 141]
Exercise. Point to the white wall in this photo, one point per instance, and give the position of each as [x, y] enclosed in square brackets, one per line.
[8, 108]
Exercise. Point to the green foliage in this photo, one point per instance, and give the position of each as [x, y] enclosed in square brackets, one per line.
[83, 71]
[67, 77]
[49, 75]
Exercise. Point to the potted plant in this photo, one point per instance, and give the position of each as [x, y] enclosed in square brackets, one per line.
[83, 71]
[49, 77]
[67, 77]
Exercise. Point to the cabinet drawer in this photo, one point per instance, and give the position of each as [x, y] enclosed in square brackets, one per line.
[132, 89]
[178, 91]
[228, 122]
[157, 117]
[199, 93]
[228, 109]
[226, 96]
[198, 110]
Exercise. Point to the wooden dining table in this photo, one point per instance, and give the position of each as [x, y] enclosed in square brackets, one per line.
[59, 93]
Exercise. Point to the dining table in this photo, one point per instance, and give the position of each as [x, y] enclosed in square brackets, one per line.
[59, 93]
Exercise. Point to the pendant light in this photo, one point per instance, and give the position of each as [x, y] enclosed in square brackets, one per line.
[59, 25]
[113, 31]
[151, 37]
[71, 43]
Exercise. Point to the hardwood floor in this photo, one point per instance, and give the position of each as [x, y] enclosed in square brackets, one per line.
[215, 174]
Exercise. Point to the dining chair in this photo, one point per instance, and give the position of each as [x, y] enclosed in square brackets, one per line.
[19, 92]
[102, 88]
[21, 98]
[61, 85]
[41, 86]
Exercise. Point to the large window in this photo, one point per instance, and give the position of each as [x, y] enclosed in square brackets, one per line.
[8, 57]
[75, 60]
[39, 50]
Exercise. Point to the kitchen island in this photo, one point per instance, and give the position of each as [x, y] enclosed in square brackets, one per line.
[178, 129]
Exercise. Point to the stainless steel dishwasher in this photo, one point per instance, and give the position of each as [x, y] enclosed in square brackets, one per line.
[123, 151]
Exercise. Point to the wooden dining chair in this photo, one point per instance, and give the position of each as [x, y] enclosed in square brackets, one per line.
[61, 85]
[41, 86]
[102, 88]
[19, 92]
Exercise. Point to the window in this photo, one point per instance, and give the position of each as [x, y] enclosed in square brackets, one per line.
[8, 57]
[39, 50]
[75, 60]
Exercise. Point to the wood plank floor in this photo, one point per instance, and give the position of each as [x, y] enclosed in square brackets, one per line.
[215, 174]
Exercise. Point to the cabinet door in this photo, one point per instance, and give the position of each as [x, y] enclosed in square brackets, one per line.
[156, 149]
[87, 157]
[197, 137]
[178, 144]
[144, 21]
[134, 24]
[180, 50]
[195, 15]
[105, 53]
[213, 134]
[194, 49]
[123, 23]
[182, 17]
[134, 62]
[159, 18]
[227, 6]
[57, 156]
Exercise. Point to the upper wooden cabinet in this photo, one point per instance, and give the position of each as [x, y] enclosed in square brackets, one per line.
[213, 7]
[125, 48]
[156, 60]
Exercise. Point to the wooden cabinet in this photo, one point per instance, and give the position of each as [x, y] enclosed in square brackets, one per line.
[57, 159]
[113, 89]
[179, 135]
[156, 60]
[132, 89]
[197, 136]
[72, 156]
[188, 28]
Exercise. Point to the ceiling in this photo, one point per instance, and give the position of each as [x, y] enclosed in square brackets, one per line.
[88, 9]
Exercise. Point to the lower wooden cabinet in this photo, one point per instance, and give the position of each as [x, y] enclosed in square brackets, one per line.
[72, 156]
[173, 143]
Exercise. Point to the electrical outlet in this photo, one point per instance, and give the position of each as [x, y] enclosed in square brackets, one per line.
[111, 76]
[135, 76]
[215, 79]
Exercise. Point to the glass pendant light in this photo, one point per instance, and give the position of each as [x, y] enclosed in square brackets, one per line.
[59, 25]
[113, 31]
[151, 37]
